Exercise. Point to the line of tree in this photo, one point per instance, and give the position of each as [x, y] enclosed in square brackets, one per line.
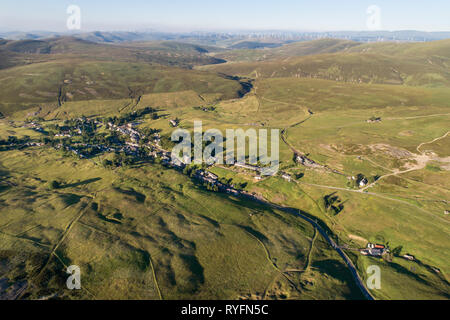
[132, 116]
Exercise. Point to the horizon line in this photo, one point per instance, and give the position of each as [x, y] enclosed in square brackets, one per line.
[212, 31]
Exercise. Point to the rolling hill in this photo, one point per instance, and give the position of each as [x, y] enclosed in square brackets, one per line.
[56, 70]
[163, 53]
[279, 51]
[416, 64]
[74, 190]
[59, 81]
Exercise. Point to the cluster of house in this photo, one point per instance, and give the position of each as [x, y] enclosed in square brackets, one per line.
[127, 130]
[71, 149]
[128, 148]
[379, 250]
[77, 130]
[135, 136]
[202, 175]
[35, 126]
[156, 151]
[375, 250]
[166, 159]
[68, 134]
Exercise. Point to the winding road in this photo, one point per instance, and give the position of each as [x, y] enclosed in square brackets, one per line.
[359, 282]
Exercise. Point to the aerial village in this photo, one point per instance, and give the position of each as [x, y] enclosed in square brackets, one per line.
[129, 140]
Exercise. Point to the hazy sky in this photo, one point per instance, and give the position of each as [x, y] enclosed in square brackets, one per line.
[185, 15]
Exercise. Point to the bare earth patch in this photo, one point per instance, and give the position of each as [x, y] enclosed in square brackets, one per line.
[358, 238]
[390, 150]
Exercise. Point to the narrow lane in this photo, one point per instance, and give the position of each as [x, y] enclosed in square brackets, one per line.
[359, 282]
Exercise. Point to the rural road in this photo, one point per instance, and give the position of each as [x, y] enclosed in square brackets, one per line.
[432, 141]
[359, 282]
[348, 262]
[293, 211]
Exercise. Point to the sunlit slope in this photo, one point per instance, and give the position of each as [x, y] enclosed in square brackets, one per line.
[418, 64]
[165, 53]
[295, 49]
[405, 208]
[438, 48]
[320, 95]
[327, 120]
[75, 80]
[147, 232]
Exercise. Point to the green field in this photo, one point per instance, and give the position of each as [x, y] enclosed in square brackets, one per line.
[397, 64]
[144, 231]
[122, 227]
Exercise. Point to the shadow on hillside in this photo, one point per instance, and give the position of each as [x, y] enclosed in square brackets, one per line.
[333, 268]
[138, 196]
[255, 233]
[337, 270]
[4, 185]
[196, 277]
[81, 183]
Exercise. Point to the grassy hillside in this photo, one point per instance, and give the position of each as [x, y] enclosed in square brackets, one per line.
[372, 63]
[320, 95]
[145, 233]
[405, 209]
[61, 81]
[338, 135]
[422, 49]
[165, 53]
[296, 49]
[280, 51]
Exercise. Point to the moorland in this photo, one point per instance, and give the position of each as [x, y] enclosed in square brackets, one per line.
[86, 176]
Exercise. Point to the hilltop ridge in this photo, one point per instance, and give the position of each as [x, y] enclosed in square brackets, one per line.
[415, 64]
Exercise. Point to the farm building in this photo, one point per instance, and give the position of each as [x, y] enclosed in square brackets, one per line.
[374, 250]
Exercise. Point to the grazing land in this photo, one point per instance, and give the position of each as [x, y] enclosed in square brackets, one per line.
[86, 177]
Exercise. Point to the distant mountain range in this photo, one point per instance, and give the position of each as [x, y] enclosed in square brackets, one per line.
[241, 40]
